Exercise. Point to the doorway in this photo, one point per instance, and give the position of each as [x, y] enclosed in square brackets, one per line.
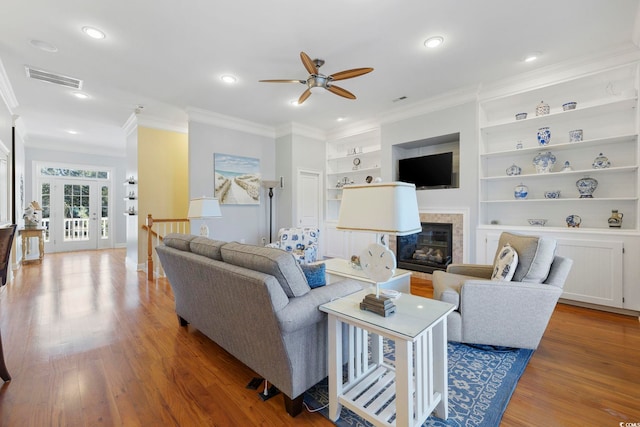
[76, 207]
[309, 201]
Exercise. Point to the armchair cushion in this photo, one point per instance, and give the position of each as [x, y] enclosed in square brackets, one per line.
[506, 264]
[535, 255]
[302, 242]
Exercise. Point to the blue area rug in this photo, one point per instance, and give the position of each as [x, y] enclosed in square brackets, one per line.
[481, 382]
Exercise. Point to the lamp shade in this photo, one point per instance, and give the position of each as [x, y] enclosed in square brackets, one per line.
[204, 207]
[388, 208]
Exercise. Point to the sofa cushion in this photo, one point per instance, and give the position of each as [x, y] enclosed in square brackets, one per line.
[535, 255]
[179, 241]
[505, 265]
[207, 247]
[315, 274]
[278, 263]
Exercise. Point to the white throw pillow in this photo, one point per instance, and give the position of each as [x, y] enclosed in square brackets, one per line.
[506, 263]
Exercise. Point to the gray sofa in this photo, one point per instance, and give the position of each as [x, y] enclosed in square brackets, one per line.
[256, 304]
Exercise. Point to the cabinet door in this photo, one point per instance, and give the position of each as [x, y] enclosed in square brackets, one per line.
[596, 275]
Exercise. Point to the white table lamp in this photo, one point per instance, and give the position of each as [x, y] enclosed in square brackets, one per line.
[202, 208]
[382, 208]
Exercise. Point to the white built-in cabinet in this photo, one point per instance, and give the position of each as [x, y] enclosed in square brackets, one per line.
[350, 160]
[607, 112]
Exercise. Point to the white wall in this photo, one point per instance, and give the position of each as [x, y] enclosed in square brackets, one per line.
[462, 119]
[238, 222]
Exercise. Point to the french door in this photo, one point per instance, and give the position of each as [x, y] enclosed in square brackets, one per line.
[75, 213]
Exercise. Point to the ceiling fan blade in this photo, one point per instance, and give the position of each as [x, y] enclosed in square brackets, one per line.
[348, 74]
[339, 91]
[308, 63]
[304, 96]
[283, 81]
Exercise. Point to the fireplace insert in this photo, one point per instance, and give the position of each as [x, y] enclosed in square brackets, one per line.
[429, 250]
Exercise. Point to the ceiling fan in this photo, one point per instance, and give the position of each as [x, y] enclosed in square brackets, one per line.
[316, 79]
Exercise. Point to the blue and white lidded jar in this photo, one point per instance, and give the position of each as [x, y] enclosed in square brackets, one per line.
[601, 162]
[586, 187]
[521, 191]
[567, 167]
[514, 170]
[544, 161]
[544, 136]
[542, 109]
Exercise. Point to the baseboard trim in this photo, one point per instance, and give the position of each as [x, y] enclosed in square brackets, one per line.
[616, 310]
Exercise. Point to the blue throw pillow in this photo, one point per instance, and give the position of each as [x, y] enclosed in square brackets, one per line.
[315, 274]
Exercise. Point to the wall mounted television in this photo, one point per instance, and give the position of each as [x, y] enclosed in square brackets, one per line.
[431, 171]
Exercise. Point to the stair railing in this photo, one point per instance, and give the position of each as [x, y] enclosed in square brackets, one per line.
[156, 235]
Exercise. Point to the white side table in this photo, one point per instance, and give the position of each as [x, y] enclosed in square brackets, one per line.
[411, 390]
[338, 269]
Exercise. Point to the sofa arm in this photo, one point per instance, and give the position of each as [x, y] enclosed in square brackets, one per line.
[513, 314]
[476, 270]
[304, 311]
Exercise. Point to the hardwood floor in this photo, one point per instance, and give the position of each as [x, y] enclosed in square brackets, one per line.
[90, 343]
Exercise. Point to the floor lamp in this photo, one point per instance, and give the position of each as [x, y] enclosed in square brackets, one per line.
[381, 208]
[270, 185]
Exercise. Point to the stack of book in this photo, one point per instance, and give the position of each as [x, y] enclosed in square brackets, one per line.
[380, 305]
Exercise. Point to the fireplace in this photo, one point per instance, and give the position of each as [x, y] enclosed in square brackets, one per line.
[429, 250]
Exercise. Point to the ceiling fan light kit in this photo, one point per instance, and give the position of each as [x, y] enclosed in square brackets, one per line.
[318, 80]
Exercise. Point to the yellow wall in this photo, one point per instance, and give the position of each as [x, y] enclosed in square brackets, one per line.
[163, 178]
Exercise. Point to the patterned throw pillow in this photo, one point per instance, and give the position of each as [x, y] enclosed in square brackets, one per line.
[315, 274]
[505, 265]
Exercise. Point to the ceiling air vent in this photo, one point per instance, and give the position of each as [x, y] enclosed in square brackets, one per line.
[50, 77]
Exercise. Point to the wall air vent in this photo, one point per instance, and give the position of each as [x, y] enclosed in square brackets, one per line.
[50, 77]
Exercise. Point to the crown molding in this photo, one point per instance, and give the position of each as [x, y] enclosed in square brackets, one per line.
[557, 73]
[299, 129]
[59, 144]
[353, 129]
[229, 122]
[6, 91]
[136, 120]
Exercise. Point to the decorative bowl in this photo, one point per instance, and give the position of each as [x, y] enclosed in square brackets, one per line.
[521, 116]
[575, 135]
[537, 221]
[573, 221]
[552, 194]
[569, 106]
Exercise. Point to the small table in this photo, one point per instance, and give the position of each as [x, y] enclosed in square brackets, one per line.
[27, 233]
[411, 390]
[337, 269]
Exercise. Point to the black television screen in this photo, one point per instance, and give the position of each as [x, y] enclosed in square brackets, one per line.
[434, 170]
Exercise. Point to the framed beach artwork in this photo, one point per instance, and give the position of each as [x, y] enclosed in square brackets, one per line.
[237, 179]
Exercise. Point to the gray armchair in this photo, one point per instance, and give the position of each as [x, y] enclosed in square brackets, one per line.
[511, 314]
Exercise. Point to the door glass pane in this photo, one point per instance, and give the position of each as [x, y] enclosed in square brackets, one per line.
[104, 212]
[76, 212]
[45, 204]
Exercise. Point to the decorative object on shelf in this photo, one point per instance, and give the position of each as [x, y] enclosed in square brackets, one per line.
[569, 106]
[521, 116]
[355, 262]
[32, 215]
[131, 210]
[521, 191]
[131, 180]
[377, 179]
[567, 167]
[575, 135]
[537, 221]
[369, 179]
[586, 187]
[514, 170]
[601, 162]
[519, 145]
[573, 221]
[544, 136]
[356, 163]
[544, 161]
[542, 109]
[132, 195]
[615, 220]
[552, 194]
[339, 184]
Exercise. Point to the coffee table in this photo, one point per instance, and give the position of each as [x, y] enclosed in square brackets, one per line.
[338, 269]
[374, 389]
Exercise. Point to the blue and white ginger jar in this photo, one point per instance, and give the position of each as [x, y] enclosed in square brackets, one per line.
[544, 162]
[586, 187]
[521, 192]
[601, 162]
[544, 136]
[514, 170]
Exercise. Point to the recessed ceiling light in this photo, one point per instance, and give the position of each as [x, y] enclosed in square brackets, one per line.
[295, 103]
[531, 56]
[434, 41]
[42, 45]
[341, 119]
[228, 78]
[72, 132]
[80, 95]
[93, 32]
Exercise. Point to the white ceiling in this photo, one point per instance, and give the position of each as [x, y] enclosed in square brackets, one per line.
[167, 55]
